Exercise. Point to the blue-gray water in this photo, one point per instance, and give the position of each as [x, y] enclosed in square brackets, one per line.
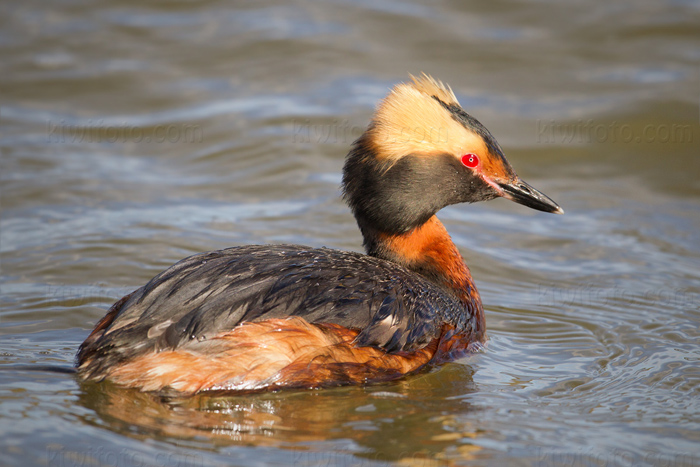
[136, 134]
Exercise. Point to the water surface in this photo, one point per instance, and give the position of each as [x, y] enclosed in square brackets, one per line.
[134, 135]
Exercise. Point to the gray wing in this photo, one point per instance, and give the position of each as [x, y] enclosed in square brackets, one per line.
[213, 292]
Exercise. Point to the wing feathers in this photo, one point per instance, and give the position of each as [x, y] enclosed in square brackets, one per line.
[210, 293]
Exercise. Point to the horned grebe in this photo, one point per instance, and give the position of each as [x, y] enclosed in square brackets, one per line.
[287, 316]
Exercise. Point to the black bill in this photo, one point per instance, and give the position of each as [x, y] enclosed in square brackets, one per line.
[524, 194]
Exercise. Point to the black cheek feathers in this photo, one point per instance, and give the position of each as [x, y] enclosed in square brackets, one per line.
[411, 191]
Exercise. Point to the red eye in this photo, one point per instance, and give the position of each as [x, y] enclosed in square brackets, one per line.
[470, 160]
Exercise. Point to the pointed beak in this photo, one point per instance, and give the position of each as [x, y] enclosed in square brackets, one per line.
[524, 194]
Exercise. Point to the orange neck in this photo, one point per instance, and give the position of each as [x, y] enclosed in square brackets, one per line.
[429, 250]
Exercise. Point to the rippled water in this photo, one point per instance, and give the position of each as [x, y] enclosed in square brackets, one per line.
[134, 135]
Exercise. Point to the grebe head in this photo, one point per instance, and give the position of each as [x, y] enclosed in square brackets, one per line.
[422, 152]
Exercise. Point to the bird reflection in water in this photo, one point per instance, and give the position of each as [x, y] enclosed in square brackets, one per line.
[400, 421]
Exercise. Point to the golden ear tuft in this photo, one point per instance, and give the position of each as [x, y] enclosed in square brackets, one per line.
[432, 87]
[413, 120]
